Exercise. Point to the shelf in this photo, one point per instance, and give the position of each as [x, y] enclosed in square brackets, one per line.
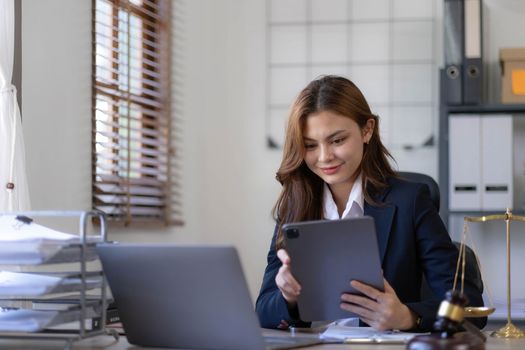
[65, 305]
[486, 108]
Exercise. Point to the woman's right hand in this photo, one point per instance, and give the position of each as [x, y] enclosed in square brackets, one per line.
[285, 281]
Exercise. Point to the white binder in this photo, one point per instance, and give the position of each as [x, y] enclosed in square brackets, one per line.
[497, 162]
[465, 162]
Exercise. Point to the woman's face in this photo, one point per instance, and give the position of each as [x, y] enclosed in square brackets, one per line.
[334, 147]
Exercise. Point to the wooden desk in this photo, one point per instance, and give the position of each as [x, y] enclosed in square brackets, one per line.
[108, 343]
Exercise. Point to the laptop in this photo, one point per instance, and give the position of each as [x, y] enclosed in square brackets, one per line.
[192, 297]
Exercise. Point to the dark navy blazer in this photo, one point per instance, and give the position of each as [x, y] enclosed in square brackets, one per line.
[413, 242]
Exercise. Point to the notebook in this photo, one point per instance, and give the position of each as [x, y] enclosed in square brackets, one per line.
[186, 297]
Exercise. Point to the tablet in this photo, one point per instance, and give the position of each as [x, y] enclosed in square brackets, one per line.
[326, 255]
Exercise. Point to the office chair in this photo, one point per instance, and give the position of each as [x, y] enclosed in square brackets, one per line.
[424, 179]
[472, 272]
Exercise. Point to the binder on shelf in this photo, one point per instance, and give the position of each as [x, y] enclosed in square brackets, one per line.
[497, 162]
[454, 48]
[465, 162]
[472, 59]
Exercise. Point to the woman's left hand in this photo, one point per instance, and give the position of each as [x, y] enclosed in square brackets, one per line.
[380, 310]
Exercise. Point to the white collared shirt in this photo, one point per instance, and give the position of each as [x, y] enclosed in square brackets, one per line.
[354, 205]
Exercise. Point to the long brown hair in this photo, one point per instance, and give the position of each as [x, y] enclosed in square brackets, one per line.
[302, 192]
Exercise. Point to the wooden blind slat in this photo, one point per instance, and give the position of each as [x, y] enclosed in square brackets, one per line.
[148, 114]
[114, 60]
[114, 158]
[131, 97]
[136, 150]
[124, 169]
[114, 86]
[111, 54]
[107, 24]
[111, 147]
[116, 51]
[123, 199]
[134, 190]
[114, 179]
[156, 142]
[120, 211]
[130, 171]
[149, 120]
[146, 131]
[119, 82]
[139, 11]
[144, 73]
[151, 44]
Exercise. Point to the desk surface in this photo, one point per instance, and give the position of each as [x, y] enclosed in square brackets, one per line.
[108, 343]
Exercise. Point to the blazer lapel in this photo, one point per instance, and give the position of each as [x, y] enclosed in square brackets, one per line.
[383, 216]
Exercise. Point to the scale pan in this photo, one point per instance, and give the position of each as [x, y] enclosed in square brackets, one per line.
[478, 311]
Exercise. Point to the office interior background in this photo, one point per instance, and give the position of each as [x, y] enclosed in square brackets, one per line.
[221, 80]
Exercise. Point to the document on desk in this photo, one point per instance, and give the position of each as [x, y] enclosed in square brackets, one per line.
[25, 242]
[25, 320]
[357, 335]
[15, 229]
[18, 284]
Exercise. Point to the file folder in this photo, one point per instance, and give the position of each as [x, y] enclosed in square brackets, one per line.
[465, 162]
[497, 160]
[472, 60]
[454, 48]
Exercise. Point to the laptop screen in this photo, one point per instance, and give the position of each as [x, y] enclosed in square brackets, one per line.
[181, 296]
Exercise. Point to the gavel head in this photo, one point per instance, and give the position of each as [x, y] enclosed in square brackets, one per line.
[450, 314]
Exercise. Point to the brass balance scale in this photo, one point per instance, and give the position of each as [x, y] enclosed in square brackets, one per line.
[509, 330]
[452, 311]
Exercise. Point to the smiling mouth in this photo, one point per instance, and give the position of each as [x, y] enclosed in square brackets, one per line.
[330, 170]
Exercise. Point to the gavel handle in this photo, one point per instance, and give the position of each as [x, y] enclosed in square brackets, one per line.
[469, 327]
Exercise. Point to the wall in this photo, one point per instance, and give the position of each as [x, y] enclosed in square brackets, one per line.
[228, 176]
[56, 79]
[228, 173]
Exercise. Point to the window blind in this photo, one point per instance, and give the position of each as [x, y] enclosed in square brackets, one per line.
[131, 111]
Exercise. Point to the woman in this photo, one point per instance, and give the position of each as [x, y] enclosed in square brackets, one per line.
[335, 166]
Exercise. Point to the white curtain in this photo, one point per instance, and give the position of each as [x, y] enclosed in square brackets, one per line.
[14, 194]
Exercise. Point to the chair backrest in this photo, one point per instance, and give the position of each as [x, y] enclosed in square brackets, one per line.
[472, 272]
[424, 179]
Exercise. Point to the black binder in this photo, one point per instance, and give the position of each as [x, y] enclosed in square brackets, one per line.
[472, 58]
[454, 49]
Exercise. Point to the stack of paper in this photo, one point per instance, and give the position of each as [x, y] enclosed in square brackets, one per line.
[17, 284]
[23, 242]
[345, 334]
[25, 320]
[36, 320]
[29, 243]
